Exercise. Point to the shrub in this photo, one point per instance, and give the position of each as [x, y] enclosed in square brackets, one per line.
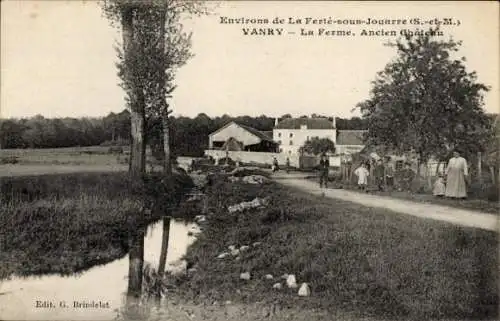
[9, 160]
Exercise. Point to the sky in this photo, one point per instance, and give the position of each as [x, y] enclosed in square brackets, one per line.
[58, 57]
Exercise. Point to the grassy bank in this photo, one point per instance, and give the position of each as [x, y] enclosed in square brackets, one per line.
[68, 223]
[359, 260]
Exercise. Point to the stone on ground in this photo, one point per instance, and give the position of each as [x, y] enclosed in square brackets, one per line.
[222, 255]
[235, 252]
[244, 248]
[291, 282]
[269, 277]
[277, 286]
[304, 290]
[245, 276]
[178, 267]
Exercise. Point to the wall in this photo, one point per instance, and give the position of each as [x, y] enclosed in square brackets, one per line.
[233, 130]
[351, 149]
[300, 136]
[267, 158]
[255, 157]
[335, 161]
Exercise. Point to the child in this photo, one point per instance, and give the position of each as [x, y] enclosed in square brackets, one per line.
[362, 174]
[439, 186]
[407, 178]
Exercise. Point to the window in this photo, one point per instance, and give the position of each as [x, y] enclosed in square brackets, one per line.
[399, 165]
[281, 150]
[291, 142]
[279, 142]
[279, 134]
[291, 135]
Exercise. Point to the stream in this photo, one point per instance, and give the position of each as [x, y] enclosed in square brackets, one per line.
[107, 283]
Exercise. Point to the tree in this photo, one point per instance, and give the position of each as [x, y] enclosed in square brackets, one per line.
[145, 69]
[318, 146]
[426, 102]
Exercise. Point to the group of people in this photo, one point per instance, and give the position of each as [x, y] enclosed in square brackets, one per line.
[275, 166]
[384, 176]
[451, 184]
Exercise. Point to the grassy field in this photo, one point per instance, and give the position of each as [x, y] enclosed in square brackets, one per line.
[21, 162]
[68, 223]
[363, 261]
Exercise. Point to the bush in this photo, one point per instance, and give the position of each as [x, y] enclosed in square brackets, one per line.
[9, 160]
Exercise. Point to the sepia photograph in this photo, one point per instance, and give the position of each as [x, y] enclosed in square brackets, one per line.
[249, 160]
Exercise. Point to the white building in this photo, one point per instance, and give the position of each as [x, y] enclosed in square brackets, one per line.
[292, 133]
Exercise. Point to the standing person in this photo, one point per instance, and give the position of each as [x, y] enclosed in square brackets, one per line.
[275, 164]
[456, 174]
[439, 186]
[324, 165]
[288, 165]
[378, 173]
[362, 173]
[407, 178]
[389, 174]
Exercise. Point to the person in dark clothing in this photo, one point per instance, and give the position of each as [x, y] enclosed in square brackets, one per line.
[288, 165]
[407, 178]
[275, 165]
[389, 174]
[324, 165]
[378, 173]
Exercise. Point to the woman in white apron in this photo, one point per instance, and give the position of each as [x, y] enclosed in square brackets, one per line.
[456, 174]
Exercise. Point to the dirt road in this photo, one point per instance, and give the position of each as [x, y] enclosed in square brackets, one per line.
[424, 210]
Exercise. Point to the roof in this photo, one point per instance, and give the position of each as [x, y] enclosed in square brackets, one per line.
[312, 123]
[261, 135]
[266, 136]
[268, 133]
[350, 137]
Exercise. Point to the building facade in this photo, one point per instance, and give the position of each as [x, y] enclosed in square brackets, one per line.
[239, 137]
[292, 133]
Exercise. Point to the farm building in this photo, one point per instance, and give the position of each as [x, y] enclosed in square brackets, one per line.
[239, 137]
[292, 133]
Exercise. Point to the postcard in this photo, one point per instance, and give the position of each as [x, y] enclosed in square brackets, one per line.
[249, 160]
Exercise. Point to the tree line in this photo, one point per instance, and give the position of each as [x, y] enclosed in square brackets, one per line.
[188, 136]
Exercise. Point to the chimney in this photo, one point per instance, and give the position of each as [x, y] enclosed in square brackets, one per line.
[276, 122]
[334, 123]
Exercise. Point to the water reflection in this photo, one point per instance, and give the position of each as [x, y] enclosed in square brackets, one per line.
[105, 284]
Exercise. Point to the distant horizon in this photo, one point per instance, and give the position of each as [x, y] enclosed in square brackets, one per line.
[192, 117]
